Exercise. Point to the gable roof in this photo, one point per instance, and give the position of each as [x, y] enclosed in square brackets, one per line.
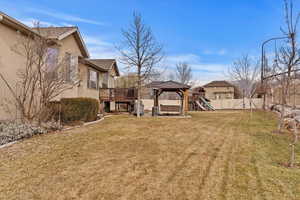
[15, 24]
[106, 64]
[89, 63]
[218, 84]
[168, 85]
[59, 33]
[53, 32]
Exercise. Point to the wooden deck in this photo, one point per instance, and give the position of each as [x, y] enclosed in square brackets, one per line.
[118, 94]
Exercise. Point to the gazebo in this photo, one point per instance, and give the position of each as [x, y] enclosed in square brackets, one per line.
[159, 87]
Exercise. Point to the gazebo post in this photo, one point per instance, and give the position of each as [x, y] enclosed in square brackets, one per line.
[186, 100]
[181, 103]
[155, 105]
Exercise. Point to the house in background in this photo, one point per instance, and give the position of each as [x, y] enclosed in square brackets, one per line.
[86, 75]
[220, 90]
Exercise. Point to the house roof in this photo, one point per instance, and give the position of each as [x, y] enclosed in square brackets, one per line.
[89, 63]
[106, 64]
[168, 85]
[54, 32]
[218, 84]
[59, 33]
[15, 24]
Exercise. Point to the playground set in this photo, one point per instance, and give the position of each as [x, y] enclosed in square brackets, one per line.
[198, 102]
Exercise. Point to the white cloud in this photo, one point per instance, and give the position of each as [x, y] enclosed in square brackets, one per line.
[220, 52]
[100, 48]
[208, 52]
[64, 16]
[209, 68]
[102, 52]
[66, 24]
[92, 40]
[189, 58]
[202, 72]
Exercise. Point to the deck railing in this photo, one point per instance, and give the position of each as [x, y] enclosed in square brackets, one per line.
[118, 94]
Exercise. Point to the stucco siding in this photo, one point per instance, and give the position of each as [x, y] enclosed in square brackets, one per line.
[70, 45]
[83, 90]
[219, 92]
[10, 63]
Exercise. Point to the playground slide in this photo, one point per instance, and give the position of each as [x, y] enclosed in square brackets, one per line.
[206, 103]
[200, 106]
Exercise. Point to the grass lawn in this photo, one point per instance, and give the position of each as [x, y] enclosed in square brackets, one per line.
[213, 155]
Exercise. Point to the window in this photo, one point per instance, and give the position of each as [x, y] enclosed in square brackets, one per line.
[71, 67]
[111, 82]
[105, 80]
[93, 78]
[51, 63]
[51, 59]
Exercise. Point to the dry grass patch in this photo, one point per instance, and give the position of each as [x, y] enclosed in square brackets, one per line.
[220, 155]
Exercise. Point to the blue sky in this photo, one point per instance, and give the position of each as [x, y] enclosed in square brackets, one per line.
[208, 34]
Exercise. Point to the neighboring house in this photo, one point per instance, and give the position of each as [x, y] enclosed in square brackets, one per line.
[90, 74]
[127, 81]
[219, 90]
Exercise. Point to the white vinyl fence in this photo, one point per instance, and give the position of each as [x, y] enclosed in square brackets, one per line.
[236, 103]
[219, 104]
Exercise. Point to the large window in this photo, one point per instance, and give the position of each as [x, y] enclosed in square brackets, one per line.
[93, 79]
[52, 59]
[71, 67]
[105, 80]
[51, 63]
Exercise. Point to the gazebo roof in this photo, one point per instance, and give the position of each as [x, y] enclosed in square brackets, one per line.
[168, 85]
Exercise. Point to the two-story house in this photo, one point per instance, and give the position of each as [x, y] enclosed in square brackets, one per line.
[219, 90]
[90, 74]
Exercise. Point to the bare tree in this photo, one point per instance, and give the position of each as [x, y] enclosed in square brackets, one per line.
[127, 81]
[244, 74]
[140, 51]
[42, 78]
[171, 76]
[285, 64]
[183, 73]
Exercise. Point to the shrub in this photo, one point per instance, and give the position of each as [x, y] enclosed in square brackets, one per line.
[13, 131]
[79, 109]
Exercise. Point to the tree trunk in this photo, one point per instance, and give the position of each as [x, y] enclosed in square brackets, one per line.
[293, 156]
[138, 114]
[283, 103]
[250, 99]
[280, 124]
[244, 99]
